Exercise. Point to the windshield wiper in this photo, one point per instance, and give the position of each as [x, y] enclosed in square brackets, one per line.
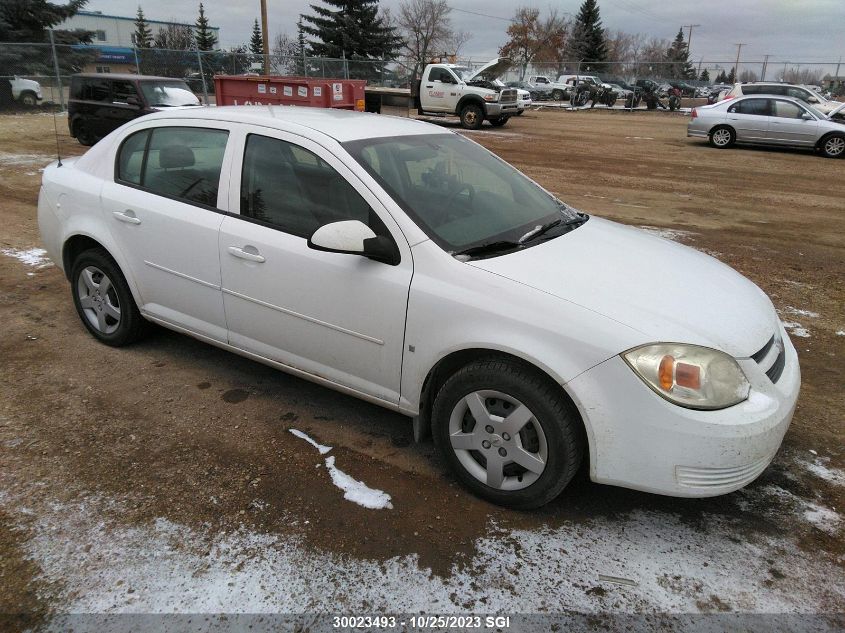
[489, 247]
[538, 230]
[162, 105]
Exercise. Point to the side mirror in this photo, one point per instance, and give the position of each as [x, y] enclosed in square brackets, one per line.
[812, 99]
[353, 237]
[133, 101]
[807, 116]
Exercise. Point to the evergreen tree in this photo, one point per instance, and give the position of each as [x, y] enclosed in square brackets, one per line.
[301, 48]
[206, 40]
[350, 28]
[679, 66]
[256, 42]
[705, 76]
[142, 37]
[731, 78]
[721, 78]
[587, 44]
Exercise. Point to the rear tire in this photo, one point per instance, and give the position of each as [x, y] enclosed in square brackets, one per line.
[499, 121]
[471, 117]
[557, 94]
[83, 133]
[507, 433]
[722, 137]
[103, 300]
[832, 146]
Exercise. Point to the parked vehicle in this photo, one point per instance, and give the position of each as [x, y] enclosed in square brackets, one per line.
[686, 90]
[538, 92]
[472, 95]
[717, 91]
[559, 91]
[789, 90]
[100, 103]
[769, 120]
[404, 264]
[26, 91]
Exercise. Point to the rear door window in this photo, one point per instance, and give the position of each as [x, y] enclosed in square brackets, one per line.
[759, 107]
[95, 90]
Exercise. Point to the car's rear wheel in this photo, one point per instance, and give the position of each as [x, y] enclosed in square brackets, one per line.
[507, 433]
[833, 146]
[722, 137]
[82, 132]
[499, 121]
[472, 117]
[103, 299]
[557, 95]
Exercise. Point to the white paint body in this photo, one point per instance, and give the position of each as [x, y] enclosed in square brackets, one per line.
[570, 305]
[22, 86]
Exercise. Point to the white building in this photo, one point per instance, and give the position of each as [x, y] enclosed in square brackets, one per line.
[115, 30]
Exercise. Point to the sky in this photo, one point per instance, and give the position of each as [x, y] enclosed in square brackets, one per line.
[805, 31]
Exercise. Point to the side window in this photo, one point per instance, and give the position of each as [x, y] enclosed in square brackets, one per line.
[752, 90]
[294, 190]
[797, 93]
[759, 107]
[179, 162]
[95, 90]
[121, 90]
[439, 74]
[130, 161]
[786, 110]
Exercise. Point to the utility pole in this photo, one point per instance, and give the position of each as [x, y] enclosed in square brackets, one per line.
[736, 66]
[265, 37]
[765, 65]
[689, 37]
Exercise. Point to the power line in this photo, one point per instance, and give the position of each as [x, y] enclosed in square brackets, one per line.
[483, 15]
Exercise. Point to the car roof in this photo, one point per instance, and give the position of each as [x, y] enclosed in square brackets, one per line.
[126, 76]
[341, 125]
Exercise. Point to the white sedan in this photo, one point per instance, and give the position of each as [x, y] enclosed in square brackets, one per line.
[407, 265]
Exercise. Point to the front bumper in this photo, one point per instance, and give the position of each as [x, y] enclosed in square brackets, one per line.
[492, 109]
[640, 440]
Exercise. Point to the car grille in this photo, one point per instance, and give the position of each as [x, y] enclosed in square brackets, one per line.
[772, 357]
[735, 476]
[508, 96]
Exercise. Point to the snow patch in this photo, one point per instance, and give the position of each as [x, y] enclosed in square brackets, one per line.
[304, 436]
[8, 159]
[840, 332]
[796, 311]
[796, 329]
[676, 235]
[357, 491]
[30, 257]
[823, 518]
[820, 469]
[353, 490]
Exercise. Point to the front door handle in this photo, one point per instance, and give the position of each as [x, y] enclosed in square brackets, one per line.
[246, 254]
[127, 216]
[429, 86]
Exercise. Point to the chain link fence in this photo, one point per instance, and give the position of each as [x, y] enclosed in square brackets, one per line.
[41, 72]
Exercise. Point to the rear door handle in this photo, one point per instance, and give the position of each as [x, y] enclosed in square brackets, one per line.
[245, 254]
[127, 216]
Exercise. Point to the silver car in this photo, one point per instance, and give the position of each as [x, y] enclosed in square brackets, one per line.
[770, 120]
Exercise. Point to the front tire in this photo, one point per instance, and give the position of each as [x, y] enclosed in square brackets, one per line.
[103, 300]
[471, 117]
[29, 99]
[722, 137]
[507, 433]
[833, 146]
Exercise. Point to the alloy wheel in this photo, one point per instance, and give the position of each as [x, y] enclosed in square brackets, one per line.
[498, 440]
[834, 146]
[721, 137]
[98, 299]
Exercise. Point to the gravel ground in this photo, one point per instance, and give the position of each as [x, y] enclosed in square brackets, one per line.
[172, 477]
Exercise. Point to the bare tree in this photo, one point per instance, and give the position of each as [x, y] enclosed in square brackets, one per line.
[285, 58]
[532, 39]
[177, 37]
[427, 30]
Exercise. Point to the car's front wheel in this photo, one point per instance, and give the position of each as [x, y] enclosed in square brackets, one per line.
[29, 99]
[507, 433]
[833, 146]
[472, 117]
[722, 137]
[103, 299]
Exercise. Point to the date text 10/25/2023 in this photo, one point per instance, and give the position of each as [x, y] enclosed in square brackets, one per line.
[422, 621]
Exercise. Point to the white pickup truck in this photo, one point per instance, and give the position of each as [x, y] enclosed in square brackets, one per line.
[26, 91]
[560, 91]
[473, 95]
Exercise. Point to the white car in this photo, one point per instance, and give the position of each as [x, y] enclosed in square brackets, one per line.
[26, 91]
[406, 265]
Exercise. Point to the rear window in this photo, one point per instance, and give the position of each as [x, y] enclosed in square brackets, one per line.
[90, 89]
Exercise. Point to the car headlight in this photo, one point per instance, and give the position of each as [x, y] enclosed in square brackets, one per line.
[690, 375]
[493, 97]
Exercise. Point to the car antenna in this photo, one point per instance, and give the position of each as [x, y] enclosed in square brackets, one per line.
[56, 130]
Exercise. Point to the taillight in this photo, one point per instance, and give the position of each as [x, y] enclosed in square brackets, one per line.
[693, 114]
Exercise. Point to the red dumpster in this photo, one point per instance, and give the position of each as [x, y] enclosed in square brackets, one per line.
[346, 94]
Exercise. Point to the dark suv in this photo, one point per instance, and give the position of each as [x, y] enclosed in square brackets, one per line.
[100, 103]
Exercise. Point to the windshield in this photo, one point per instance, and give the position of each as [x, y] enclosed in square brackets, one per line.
[459, 193]
[463, 73]
[168, 93]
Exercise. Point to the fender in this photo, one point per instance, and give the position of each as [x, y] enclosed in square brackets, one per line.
[470, 98]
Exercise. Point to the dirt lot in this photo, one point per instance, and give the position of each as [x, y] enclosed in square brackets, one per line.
[164, 478]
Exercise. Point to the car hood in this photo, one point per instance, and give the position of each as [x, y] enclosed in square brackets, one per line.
[666, 291]
[493, 69]
[828, 107]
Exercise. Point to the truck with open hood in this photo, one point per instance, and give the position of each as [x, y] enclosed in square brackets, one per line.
[472, 95]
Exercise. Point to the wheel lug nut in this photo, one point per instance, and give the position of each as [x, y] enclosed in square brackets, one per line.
[485, 444]
[488, 428]
[503, 452]
[506, 436]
